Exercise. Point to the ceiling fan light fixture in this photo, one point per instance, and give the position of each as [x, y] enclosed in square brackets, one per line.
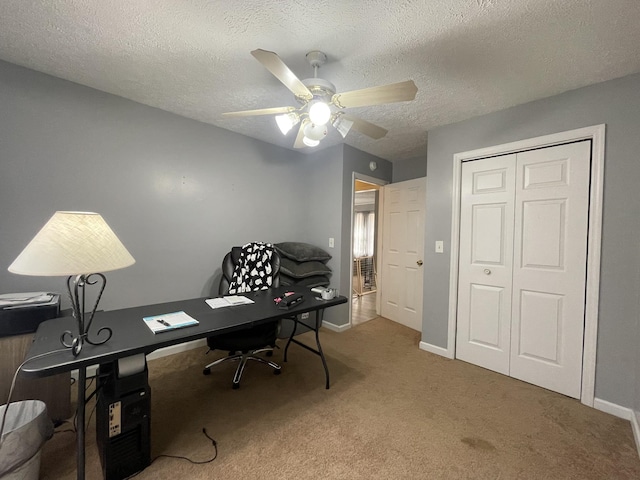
[287, 121]
[342, 125]
[315, 132]
[319, 113]
[310, 143]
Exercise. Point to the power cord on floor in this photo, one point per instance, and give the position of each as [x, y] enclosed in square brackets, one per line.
[180, 457]
[195, 462]
[68, 430]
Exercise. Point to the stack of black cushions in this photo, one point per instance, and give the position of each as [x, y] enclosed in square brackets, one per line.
[303, 264]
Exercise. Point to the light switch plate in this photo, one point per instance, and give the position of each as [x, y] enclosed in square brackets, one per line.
[331, 242]
[439, 246]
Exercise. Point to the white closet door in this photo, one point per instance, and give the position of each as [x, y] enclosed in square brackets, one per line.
[486, 252]
[523, 256]
[549, 268]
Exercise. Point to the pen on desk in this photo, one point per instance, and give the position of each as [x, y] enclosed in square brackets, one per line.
[163, 322]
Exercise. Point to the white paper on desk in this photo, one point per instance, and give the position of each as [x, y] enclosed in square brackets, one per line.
[19, 300]
[228, 301]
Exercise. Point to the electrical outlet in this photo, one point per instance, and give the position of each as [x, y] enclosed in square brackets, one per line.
[439, 246]
[304, 316]
[331, 242]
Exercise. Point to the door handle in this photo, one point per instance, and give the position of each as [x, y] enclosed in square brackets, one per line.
[487, 271]
[419, 262]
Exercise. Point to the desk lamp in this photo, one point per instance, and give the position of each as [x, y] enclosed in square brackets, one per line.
[76, 245]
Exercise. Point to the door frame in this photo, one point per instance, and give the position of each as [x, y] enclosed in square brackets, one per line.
[596, 134]
[376, 181]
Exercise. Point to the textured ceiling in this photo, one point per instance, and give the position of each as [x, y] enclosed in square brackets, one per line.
[192, 57]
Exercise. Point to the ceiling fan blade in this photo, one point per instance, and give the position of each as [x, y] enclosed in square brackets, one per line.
[298, 143]
[277, 67]
[396, 92]
[369, 129]
[262, 111]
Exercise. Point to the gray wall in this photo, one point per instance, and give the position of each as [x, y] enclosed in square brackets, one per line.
[323, 193]
[409, 169]
[615, 103]
[322, 179]
[636, 406]
[358, 162]
[178, 193]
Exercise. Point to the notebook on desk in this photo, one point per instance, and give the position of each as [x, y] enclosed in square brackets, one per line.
[169, 321]
[228, 301]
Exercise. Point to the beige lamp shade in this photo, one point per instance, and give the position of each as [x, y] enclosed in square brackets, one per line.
[72, 243]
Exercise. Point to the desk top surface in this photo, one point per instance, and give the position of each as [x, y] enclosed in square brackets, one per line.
[131, 336]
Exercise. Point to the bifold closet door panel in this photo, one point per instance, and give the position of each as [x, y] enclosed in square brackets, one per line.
[549, 267]
[486, 252]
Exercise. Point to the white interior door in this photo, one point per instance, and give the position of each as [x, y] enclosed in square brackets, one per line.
[549, 271]
[522, 260]
[486, 253]
[402, 249]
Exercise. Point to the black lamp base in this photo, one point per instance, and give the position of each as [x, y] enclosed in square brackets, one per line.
[83, 318]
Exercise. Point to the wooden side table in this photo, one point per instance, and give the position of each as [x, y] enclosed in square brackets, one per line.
[16, 335]
[55, 391]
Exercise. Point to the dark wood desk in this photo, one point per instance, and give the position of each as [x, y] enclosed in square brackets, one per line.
[131, 336]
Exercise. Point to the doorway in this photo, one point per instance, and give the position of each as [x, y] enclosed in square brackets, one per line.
[365, 227]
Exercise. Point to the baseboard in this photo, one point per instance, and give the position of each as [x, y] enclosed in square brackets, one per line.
[613, 409]
[335, 328]
[621, 412]
[427, 347]
[162, 352]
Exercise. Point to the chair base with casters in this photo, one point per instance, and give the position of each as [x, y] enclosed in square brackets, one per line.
[243, 358]
[246, 345]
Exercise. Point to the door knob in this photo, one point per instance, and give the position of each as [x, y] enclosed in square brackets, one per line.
[419, 262]
[487, 271]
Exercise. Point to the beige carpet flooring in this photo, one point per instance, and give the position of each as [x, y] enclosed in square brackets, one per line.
[393, 412]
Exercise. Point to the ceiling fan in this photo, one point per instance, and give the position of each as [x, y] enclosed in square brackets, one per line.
[320, 104]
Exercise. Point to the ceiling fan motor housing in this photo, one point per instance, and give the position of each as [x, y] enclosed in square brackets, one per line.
[320, 89]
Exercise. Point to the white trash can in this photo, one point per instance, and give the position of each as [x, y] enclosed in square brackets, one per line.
[26, 428]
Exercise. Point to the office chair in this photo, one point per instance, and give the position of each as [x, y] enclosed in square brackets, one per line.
[245, 345]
